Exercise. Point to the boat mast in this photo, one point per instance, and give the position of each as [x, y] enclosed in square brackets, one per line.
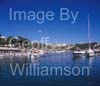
[89, 35]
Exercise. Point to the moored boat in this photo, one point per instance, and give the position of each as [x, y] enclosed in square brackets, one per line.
[78, 53]
[90, 53]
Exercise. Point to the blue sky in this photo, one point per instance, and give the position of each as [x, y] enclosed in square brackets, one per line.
[57, 30]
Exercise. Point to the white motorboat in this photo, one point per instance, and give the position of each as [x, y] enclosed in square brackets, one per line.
[78, 53]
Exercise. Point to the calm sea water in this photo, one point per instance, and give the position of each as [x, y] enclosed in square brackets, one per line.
[63, 59]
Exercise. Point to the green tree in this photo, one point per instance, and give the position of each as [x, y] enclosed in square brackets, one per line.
[2, 40]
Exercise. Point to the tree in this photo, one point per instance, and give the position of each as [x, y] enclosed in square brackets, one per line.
[2, 40]
[23, 40]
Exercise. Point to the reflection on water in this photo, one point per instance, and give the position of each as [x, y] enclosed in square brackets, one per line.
[63, 59]
[90, 61]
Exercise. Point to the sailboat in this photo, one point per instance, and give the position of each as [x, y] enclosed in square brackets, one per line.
[89, 52]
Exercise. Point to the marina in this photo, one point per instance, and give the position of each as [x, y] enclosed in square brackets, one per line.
[49, 43]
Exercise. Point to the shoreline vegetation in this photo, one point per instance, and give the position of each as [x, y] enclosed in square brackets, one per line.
[20, 46]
